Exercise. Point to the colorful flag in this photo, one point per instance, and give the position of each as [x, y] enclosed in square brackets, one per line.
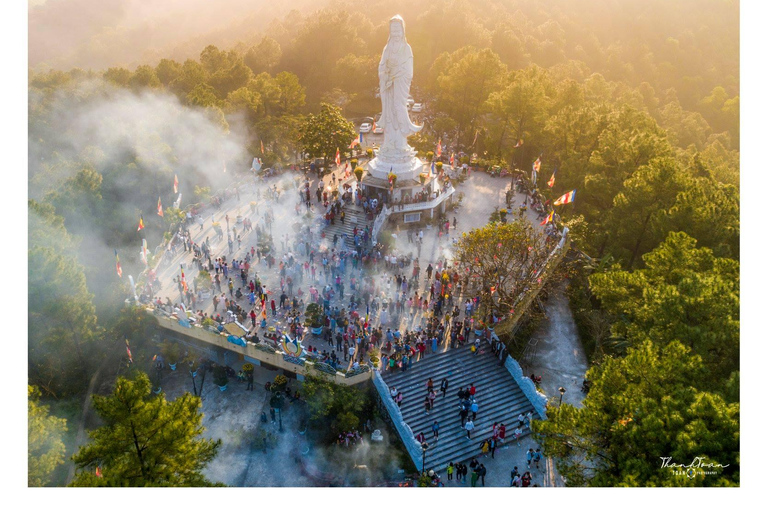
[262, 146]
[159, 207]
[338, 157]
[452, 155]
[183, 280]
[373, 128]
[551, 182]
[549, 218]
[439, 150]
[537, 164]
[175, 184]
[144, 251]
[566, 198]
[141, 223]
[98, 472]
[354, 143]
[117, 265]
[128, 349]
[519, 143]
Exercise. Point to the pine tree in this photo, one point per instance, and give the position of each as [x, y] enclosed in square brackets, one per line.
[146, 441]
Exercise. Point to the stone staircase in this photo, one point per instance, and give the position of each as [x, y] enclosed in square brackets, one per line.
[355, 217]
[499, 397]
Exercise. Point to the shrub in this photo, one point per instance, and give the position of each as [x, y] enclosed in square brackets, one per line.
[220, 376]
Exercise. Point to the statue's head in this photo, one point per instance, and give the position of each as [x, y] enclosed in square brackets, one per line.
[397, 29]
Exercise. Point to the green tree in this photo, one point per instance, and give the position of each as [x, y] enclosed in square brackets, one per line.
[145, 440]
[293, 95]
[334, 407]
[464, 87]
[167, 70]
[641, 408]
[684, 293]
[496, 257]
[325, 132]
[264, 56]
[45, 448]
[192, 74]
[62, 326]
[144, 77]
[645, 197]
[203, 95]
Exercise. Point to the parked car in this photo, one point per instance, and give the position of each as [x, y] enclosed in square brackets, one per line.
[365, 127]
[378, 129]
[417, 107]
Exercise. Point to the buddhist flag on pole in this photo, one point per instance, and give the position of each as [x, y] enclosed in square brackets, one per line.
[551, 182]
[354, 143]
[452, 155]
[128, 349]
[117, 265]
[141, 223]
[439, 149]
[338, 157]
[144, 251]
[175, 184]
[159, 207]
[98, 472]
[519, 143]
[262, 146]
[537, 164]
[548, 219]
[566, 198]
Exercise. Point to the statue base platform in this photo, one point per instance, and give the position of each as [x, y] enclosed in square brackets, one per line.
[407, 169]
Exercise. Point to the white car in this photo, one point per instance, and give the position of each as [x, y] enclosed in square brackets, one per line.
[378, 129]
[417, 107]
[365, 127]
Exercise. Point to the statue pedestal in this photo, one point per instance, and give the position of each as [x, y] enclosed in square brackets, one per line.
[405, 169]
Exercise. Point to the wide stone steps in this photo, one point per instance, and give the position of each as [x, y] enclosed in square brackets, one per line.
[355, 216]
[498, 396]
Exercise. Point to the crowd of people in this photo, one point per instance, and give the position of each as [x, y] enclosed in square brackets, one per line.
[374, 304]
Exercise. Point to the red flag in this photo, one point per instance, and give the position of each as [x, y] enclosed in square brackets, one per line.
[141, 223]
[551, 182]
[128, 349]
[159, 207]
[117, 265]
[338, 157]
[452, 159]
[98, 472]
[175, 184]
